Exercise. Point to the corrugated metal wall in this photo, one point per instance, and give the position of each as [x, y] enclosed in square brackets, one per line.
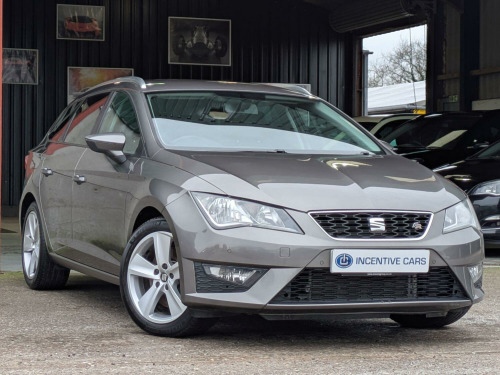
[489, 57]
[451, 59]
[273, 41]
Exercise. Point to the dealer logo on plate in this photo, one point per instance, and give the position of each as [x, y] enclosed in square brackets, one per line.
[343, 261]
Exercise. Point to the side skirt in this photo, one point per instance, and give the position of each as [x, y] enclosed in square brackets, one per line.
[101, 275]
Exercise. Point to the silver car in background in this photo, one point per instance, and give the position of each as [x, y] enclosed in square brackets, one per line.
[204, 199]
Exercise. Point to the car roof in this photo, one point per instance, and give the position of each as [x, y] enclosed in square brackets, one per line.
[173, 85]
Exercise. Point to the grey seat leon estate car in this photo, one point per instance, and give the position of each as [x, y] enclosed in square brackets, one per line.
[205, 199]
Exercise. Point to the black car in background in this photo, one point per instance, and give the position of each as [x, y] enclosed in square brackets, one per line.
[479, 176]
[437, 139]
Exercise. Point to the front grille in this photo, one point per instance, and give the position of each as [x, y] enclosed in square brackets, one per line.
[356, 225]
[318, 285]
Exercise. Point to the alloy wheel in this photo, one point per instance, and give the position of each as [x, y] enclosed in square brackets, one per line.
[31, 245]
[153, 279]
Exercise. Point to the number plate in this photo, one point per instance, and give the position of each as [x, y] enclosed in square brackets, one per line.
[379, 261]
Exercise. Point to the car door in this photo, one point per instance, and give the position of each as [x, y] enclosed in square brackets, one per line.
[99, 195]
[58, 170]
[58, 164]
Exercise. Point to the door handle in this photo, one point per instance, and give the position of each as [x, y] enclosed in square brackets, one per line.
[47, 171]
[79, 179]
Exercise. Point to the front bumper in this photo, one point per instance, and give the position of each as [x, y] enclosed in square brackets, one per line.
[286, 255]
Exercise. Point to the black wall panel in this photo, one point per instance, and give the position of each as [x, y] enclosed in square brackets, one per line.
[272, 41]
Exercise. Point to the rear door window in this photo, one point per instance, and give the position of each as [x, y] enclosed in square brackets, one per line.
[57, 130]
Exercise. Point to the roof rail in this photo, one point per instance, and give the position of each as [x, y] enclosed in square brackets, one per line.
[297, 88]
[138, 81]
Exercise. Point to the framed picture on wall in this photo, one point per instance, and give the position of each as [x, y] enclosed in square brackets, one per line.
[80, 22]
[199, 41]
[81, 78]
[20, 66]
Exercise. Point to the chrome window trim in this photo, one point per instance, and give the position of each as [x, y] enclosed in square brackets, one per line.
[310, 213]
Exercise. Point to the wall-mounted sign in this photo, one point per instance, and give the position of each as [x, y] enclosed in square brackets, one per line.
[20, 66]
[199, 41]
[81, 78]
[80, 22]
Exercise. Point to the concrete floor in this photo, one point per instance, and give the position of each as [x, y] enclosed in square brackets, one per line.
[85, 329]
[10, 244]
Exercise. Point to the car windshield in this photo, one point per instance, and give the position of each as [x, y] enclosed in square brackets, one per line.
[242, 121]
[433, 131]
[491, 152]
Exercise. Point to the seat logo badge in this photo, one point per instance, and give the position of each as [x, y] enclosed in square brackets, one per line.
[377, 224]
[343, 261]
[417, 226]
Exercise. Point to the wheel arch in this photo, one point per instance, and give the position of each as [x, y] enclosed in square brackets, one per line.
[147, 209]
[25, 203]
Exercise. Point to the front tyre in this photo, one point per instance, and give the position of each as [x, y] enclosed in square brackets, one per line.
[40, 272]
[150, 283]
[421, 321]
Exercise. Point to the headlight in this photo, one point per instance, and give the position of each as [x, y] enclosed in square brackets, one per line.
[225, 212]
[460, 216]
[487, 188]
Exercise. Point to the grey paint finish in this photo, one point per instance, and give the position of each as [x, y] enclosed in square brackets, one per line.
[56, 192]
[377, 182]
[105, 208]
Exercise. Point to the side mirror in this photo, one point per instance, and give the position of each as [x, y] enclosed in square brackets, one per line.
[110, 144]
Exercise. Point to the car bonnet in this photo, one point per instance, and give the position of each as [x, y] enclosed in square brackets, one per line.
[321, 182]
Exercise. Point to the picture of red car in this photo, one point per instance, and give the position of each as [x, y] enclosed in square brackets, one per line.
[81, 22]
[82, 26]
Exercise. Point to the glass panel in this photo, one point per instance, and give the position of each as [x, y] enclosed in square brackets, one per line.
[58, 129]
[254, 122]
[85, 118]
[121, 118]
[432, 131]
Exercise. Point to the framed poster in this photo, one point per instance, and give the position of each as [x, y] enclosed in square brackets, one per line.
[199, 41]
[80, 22]
[81, 78]
[20, 66]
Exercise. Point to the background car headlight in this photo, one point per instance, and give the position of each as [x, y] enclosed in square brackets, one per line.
[487, 188]
[460, 216]
[225, 212]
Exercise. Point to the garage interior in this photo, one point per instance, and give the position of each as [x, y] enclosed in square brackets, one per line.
[316, 42]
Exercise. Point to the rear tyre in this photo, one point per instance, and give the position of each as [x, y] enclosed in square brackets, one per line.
[150, 284]
[421, 321]
[40, 272]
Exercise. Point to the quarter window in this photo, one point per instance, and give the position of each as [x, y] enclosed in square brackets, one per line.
[85, 118]
[122, 118]
[58, 129]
